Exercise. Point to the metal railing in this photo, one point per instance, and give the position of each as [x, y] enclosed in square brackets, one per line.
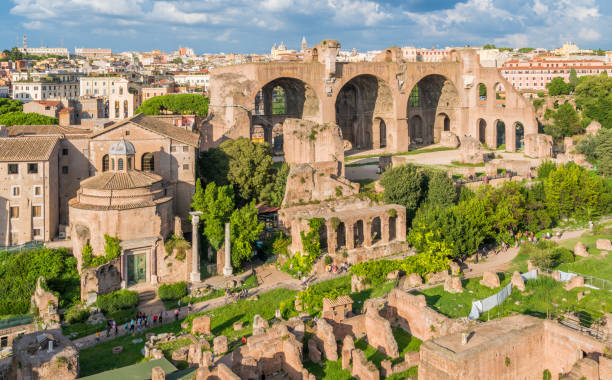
[15, 321]
[18, 248]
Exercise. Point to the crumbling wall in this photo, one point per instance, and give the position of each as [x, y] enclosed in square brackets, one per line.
[101, 280]
[380, 335]
[45, 301]
[414, 316]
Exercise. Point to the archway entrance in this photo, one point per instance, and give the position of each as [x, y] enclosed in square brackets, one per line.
[360, 106]
[434, 100]
[482, 131]
[278, 100]
[519, 133]
[500, 132]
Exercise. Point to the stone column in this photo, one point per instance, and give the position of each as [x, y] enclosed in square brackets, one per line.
[195, 250]
[400, 227]
[227, 268]
[123, 270]
[384, 228]
[367, 233]
[154, 263]
[332, 238]
[350, 235]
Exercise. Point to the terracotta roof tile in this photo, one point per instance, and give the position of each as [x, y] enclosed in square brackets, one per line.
[120, 180]
[156, 125]
[27, 148]
[40, 130]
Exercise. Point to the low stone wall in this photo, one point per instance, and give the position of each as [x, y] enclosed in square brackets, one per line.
[517, 347]
[413, 315]
[362, 368]
[219, 372]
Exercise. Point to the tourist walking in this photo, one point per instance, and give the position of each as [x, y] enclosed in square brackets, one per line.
[176, 314]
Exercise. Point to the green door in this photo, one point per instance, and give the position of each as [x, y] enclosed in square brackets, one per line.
[137, 268]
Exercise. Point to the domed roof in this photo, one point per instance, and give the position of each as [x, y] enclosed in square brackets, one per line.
[130, 179]
[122, 147]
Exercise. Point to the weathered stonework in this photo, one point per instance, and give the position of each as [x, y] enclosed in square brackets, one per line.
[490, 280]
[45, 302]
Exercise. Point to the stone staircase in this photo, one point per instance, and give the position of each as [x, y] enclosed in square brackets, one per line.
[148, 301]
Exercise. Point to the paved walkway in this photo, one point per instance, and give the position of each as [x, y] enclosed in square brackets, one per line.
[286, 282]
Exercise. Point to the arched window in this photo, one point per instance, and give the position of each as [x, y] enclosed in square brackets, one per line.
[125, 109]
[105, 163]
[279, 101]
[148, 162]
[129, 163]
[120, 90]
[120, 164]
[113, 164]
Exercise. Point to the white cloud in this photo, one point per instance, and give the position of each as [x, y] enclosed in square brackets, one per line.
[167, 11]
[539, 8]
[33, 25]
[357, 12]
[276, 5]
[589, 34]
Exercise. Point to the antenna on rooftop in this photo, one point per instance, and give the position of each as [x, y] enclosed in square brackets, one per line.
[25, 41]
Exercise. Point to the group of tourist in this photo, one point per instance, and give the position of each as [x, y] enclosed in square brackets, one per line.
[236, 295]
[333, 268]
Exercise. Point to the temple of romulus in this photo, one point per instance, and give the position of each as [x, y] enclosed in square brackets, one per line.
[387, 103]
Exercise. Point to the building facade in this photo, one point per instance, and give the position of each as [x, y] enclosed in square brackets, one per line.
[537, 73]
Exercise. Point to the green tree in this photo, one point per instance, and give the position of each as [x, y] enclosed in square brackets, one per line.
[249, 167]
[573, 79]
[526, 50]
[404, 186]
[567, 120]
[217, 204]
[594, 96]
[274, 192]
[488, 46]
[440, 189]
[245, 230]
[557, 86]
[504, 206]
[177, 60]
[571, 191]
[20, 118]
[10, 105]
[587, 146]
[181, 104]
[603, 151]
[213, 166]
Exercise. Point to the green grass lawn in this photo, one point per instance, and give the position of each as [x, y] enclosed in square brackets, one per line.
[456, 305]
[405, 343]
[169, 347]
[223, 318]
[356, 164]
[328, 370]
[99, 358]
[249, 283]
[463, 164]
[541, 296]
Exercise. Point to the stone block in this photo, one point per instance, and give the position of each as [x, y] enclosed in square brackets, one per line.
[180, 355]
[449, 140]
[393, 275]
[412, 358]
[604, 244]
[455, 269]
[158, 374]
[386, 368]
[433, 278]
[157, 353]
[453, 285]
[348, 345]
[201, 325]
[575, 282]
[238, 326]
[518, 281]
[410, 281]
[194, 356]
[490, 280]
[207, 359]
[259, 322]
[580, 250]
[220, 345]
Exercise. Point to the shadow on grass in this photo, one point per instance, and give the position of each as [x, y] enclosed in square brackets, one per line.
[227, 324]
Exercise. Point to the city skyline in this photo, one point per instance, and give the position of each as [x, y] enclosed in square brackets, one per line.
[214, 26]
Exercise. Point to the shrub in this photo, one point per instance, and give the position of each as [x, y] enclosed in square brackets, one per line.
[328, 260]
[546, 375]
[178, 244]
[76, 314]
[87, 255]
[172, 291]
[280, 244]
[114, 301]
[546, 168]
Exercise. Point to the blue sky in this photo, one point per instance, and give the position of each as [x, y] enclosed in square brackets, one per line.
[253, 26]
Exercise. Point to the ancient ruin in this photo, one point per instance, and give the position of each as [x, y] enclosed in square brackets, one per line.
[387, 103]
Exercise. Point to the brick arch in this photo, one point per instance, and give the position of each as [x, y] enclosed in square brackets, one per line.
[361, 104]
[435, 94]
